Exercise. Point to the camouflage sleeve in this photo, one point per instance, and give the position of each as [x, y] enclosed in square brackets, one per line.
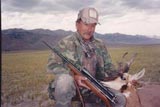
[55, 65]
[109, 68]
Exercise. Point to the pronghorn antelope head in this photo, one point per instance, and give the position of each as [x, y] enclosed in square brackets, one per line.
[124, 82]
[125, 85]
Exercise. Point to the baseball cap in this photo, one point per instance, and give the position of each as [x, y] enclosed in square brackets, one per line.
[88, 15]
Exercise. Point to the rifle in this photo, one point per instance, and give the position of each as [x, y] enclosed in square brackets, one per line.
[96, 87]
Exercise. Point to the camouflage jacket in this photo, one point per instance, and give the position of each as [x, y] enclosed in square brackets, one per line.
[74, 48]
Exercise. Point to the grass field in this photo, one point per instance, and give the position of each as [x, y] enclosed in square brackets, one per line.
[24, 73]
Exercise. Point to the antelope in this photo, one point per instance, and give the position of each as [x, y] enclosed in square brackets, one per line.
[124, 83]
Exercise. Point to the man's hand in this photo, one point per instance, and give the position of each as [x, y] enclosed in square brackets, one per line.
[80, 81]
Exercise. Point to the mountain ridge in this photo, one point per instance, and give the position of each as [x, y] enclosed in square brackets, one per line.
[21, 39]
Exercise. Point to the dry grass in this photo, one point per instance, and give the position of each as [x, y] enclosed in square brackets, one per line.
[24, 73]
[148, 57]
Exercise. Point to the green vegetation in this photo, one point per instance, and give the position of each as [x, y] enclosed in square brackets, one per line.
[24, 73]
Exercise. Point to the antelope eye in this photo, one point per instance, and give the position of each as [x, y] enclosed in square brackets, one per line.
[123, 78]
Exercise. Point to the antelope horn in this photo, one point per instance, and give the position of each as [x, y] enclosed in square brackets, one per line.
[120, 63]
[124, 54]
[128, 64]
[131, 60]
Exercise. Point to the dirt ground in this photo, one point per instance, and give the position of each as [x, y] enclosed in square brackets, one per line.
[149, 95]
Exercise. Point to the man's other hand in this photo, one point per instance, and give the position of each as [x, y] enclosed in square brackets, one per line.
[80, 81]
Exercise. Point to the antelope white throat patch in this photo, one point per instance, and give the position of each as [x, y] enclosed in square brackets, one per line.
[127, 94]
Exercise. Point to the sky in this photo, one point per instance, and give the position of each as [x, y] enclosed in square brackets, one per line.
[133, 17]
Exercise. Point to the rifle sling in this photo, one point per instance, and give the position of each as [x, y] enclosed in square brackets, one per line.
[78, 91]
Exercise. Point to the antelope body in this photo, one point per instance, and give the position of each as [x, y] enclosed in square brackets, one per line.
[130, 91]
[125, 85]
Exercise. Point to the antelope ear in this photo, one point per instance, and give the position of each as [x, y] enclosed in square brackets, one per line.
[138, 75]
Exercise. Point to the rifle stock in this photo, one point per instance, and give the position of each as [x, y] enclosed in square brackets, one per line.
[96, 87]
[91, 86]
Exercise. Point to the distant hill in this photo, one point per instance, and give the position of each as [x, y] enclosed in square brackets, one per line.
[117, 38]
[21, 39]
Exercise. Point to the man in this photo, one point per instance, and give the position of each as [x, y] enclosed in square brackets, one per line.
[84, 49]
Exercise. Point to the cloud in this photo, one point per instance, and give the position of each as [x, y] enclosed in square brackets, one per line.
[119, 8]
[41, 6]
[36, 20]
[131, 24]
[110, 7]
[19, 5]
[151, 6]
[120, 15]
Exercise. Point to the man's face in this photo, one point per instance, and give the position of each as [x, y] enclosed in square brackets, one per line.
[85, 30]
